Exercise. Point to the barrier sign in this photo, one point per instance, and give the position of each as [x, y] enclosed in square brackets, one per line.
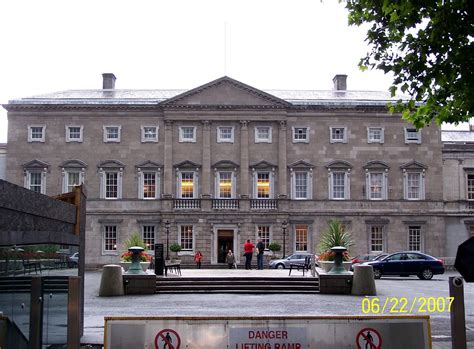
[357, 332]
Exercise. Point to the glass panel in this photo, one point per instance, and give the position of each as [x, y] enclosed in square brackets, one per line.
[470, 186]
[376, 181]
[37, 132]
[412, 134]
[375, 134]
[301, 238]
[301, 185]
[413, 185]
[263, 185]
[225, 133]
[301, 133]
[149, 133]
[338, 185]
[112, 132]
[414, 238]
[337, 133]
[263, 133]
[55, 314]
[187, 185]
[376, 239]
[187, 133]
[225, 185]
[72, 180]
[149, 185]
[263, 233]
[110, 238]
[149, 236]
[74, 132]
[187, 237]
[111, 184]
[35, 181]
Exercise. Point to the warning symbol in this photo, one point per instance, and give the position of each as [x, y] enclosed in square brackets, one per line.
[369, 338]
[167, 339]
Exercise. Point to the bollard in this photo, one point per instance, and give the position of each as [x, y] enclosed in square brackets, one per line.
[458, 320]
[363, 283]
[111, 283]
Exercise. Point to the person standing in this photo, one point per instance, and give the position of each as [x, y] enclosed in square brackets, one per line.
[230, 259]
[259, 251]
[248, 249]
[198, 259]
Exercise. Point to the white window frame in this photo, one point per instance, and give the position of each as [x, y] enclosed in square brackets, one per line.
[186, 251]
[421, 242]
[112, 140]
[114, 250]
[347, 188]
[103, 177]
[300, 140]
[142, 228]
[179, 174]
[368, 184]
[382, 232]
[30, 133]
[411, 140]
[337, 140]
[258, 139]
[187, 140]
[421, 187]
[149, 140]
[225, 140]
[141, 183]
[65, 179]
[309, 181]
[470, 186]
[271, 182]
[217, 184]
[68, 134]
[267, 228]
[373, 140]
[296, 228]
[42, 173]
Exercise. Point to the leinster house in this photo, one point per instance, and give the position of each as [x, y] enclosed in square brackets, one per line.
[210, 167]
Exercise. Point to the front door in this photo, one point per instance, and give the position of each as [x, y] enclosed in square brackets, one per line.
[225, 242]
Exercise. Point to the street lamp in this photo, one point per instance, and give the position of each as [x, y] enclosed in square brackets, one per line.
[167, 226]
[283, 227]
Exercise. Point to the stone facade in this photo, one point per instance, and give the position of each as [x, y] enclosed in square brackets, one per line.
[333, 159]
[3, 160]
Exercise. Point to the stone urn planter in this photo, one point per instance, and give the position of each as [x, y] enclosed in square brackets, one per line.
[327, 265]
[126, 265]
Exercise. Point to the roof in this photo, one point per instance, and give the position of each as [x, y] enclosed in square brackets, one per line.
[459, 137]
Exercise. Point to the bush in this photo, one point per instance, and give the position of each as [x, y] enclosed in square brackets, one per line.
[274, 247]
[175, 247]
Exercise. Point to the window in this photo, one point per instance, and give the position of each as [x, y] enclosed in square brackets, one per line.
[414, 238]
[263, 185]
[36, 133]
[375, 135]
[412, 135]
[148, 235]
[376, 238]
[35, 182]
[301, 185]
[413, 186]
[149, 185]
[376, 185]
[338, 134]
[110, 238]
[72, 179]
[263, 134]
[187, 185]
[338, 187]
[263, 233]
[112, 133]
[225, 185]
[74, 133]
[470, 186]
[301, 238]
[186, 237]
[300, 135]
[225, 134]
[111, 185]
[149, 134]
[187, 134]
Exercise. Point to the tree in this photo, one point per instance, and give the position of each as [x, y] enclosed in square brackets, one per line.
[429, 47]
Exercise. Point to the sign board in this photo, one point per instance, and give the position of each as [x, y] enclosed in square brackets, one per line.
[315, 332]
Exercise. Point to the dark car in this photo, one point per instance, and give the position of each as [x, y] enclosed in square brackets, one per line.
[362, 258]
[285, 262]
[408, 263]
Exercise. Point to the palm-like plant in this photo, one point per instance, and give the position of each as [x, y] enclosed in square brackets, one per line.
[134, 240]
[335, 235]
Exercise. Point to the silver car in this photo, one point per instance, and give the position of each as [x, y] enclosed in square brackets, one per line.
[285, 262]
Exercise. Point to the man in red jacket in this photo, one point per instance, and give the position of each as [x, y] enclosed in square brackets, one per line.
[248, 249]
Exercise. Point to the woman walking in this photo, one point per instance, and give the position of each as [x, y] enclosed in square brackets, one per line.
[198, 259]
[230, 259]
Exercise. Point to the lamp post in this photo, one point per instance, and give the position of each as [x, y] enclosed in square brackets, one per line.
[167, 226]
[283, 227]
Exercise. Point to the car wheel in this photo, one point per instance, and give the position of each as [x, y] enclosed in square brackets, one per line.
[280, 266]
[426, 274]
[377, 273]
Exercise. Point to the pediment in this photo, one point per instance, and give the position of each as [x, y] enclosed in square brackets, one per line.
[413, 165]
[73, 163]
[36, 164]
[263, 165]
[300, 164]
[187, 164]
[111, 164]
[149, 164]
[339, 164]
[225, 92]
[225, 164]
[376, 165]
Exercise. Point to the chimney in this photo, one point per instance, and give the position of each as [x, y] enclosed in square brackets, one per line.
[108, 82]
[340, 83]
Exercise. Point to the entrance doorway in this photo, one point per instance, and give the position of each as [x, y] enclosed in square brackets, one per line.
[225, 242]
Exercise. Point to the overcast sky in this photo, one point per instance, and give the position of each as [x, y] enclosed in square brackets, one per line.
[50, 46]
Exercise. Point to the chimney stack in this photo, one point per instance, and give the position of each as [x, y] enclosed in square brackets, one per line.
[108, 82]
[340, 83]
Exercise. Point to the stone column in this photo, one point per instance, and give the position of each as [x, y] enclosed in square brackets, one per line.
[282, 170]
[206, 160]
[168, 165]
[244, 160]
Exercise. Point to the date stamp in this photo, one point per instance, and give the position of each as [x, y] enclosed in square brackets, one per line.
[403, 305]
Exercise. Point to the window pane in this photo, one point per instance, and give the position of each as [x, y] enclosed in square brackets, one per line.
[375, 134]
[263, 133]
[112, 132]
[186, 237]
[149, 133]
[187, 133]
[470, 186]
[301, 238]
[412, 134]
[149, 185]
[225, 185]
[225, 133]
[337, 133]
[376, 239]
[35, 181]
[148, 232]
[111, 184]
[301, 185]
[414, 238]
[301, 133]
[413, 185]
[74, 132]
[110, 238]
[264, 234]
[37, 132]
[338, 185]
[187, 185]
[376, 183]
[263, 185]
[72, 180]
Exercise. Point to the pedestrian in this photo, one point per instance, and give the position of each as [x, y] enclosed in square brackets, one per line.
[230, 259]
[198, 259]
[259, 251]
[248, 249]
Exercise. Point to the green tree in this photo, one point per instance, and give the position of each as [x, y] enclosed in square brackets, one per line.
[429, 47]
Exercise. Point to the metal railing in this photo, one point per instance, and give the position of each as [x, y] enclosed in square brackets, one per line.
[187, 204]
[225, 204]
[264, 204]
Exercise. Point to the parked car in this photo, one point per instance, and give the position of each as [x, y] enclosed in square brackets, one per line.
[285, 262]
[407, 263]
[74, 259]
[367, 258]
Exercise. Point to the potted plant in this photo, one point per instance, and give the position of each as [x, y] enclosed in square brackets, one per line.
[126, 257]
[175, 247]
[274, 247]
[335, 235]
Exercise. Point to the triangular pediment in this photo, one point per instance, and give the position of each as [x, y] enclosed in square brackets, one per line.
[413, 165]
[376, 165]
[300, 164]
[36, 164]
[339, 164]
[111, 164]
[225, 92]
[187, 164]
[263, 165]
[73, 163]
[225, 164]
[149, 164]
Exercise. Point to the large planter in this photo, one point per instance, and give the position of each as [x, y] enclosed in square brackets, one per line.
[126, 265]
[327, 265]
